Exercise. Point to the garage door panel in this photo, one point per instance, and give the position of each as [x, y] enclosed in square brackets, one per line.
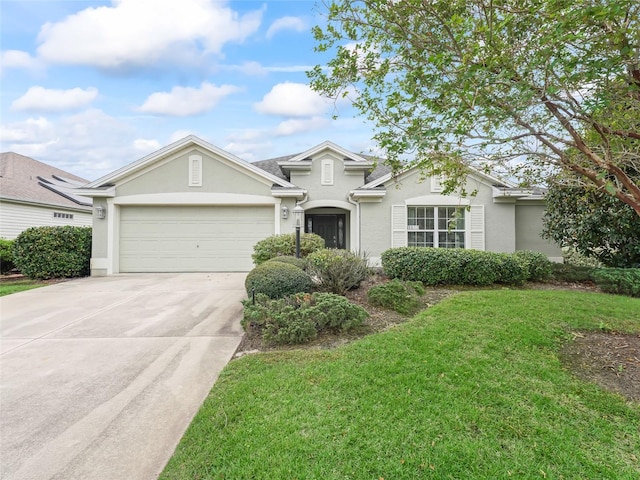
[181, 239]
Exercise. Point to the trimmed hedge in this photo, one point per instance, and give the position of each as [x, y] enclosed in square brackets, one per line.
[337, 271]
[299, 318]
[566, 272]
[285, 244]
[53, 252]
[454, 266]
[277, 280]
[6, 256]
[301, 263]
[622, 281]
[538, 265]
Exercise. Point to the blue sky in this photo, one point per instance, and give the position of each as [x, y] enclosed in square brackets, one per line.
[91, 86]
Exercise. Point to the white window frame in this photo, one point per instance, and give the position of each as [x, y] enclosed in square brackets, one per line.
[438, 211]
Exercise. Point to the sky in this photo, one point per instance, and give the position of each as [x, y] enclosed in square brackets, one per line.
[90, 86]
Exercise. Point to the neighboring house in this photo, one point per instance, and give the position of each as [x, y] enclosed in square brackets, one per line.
[34, 194]
[194, 207]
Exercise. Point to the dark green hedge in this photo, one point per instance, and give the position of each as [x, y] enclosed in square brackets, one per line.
[6, 255]
[277, 280]
[457, 266]
[623, 281]
[53, 252]
[285, 244]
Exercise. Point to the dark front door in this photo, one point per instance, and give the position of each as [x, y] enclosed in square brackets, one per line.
[329, 227]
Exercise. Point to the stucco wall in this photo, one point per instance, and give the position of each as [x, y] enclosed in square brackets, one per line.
[172, 175]
[528, 229]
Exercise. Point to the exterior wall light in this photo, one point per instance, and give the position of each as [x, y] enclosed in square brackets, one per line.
[285, 212]
[101, 213]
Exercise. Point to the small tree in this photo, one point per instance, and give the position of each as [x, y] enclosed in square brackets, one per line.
[593, 223]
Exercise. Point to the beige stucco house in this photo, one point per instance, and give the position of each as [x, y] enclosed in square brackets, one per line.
[34, 194]
[192, 206]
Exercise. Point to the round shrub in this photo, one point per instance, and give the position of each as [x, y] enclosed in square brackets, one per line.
[277, 279]
[538, 265]
[285, 244]
[53, 252]
[301, 263]
[337, 270]
[6, 256]
[397, 295]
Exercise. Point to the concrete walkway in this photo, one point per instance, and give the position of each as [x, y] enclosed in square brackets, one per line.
[100, 377]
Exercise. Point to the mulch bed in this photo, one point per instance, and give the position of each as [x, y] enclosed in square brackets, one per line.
[609, 359]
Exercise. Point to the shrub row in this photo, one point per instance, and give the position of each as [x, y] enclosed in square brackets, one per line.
[337, 271]
[299, 318]
[622, 281]
[53, 252]
[6, 256]
[455, 266]
[277, 280]
[285, 244]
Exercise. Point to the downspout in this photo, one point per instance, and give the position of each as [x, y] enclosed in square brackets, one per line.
[357, 204]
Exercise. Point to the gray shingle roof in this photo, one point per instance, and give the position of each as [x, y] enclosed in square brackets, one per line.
[23, 178]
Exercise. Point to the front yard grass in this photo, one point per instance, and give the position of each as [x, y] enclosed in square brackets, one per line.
[470, 388]
[7, 288]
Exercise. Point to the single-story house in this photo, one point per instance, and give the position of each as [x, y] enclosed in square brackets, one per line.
[192, 206]
[34, 194]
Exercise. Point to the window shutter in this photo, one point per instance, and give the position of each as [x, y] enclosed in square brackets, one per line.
[195, 170]
[398, 226]
[476, 227]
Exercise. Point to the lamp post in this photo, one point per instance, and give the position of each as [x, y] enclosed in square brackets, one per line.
[298, 211]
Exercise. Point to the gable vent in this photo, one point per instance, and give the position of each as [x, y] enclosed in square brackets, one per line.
[326, 172]
[195, 170]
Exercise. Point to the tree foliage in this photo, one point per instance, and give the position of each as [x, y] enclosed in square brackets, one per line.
[593, 223]
[511, 84]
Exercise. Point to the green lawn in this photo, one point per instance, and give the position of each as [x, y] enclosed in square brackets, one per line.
[471, 388]
[7, 288]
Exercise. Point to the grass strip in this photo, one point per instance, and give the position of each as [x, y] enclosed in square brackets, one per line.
[471, 388]
[7, 288]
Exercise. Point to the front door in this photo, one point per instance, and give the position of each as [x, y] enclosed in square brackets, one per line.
[329, 227]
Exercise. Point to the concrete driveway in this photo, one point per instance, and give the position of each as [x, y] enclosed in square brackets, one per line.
[100, 377]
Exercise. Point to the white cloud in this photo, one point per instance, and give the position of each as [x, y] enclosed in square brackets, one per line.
[247, 135]
[18, 59]
[89, 144]
[180, 134]
[186, 101]
[292, 100]
[250, 152]
[28, 131]
[146, 145]
[299, 125]
[40, 99]
[143, 32]
[286, 23]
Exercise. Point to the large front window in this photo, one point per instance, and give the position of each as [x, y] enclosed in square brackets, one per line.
[441, 227]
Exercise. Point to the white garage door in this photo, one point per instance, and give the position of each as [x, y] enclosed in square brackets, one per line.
[191, 239]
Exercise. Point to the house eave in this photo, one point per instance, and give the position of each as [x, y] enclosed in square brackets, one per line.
[21, 201]
[99, 192]
[297, 193]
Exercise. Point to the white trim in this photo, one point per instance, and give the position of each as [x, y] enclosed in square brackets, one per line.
[277, 213]
[195, 170]
[195, 198]
[399, 237]
[475, 228]
[436, 183]
[96, 193]
[113, 220]
[176, 147]
[100, 263]
[289, 193]
[327, 145]
[437, 201]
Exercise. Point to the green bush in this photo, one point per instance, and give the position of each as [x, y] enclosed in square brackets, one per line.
[564, 272]
[538, 265]
[622, 281]
[301, 263]
[572, 257]
[6, 256]
[277, 280]
[397, 295]
[337, 270]
[453, 266]
[53, 252]
[299, 318]
[285, 244]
